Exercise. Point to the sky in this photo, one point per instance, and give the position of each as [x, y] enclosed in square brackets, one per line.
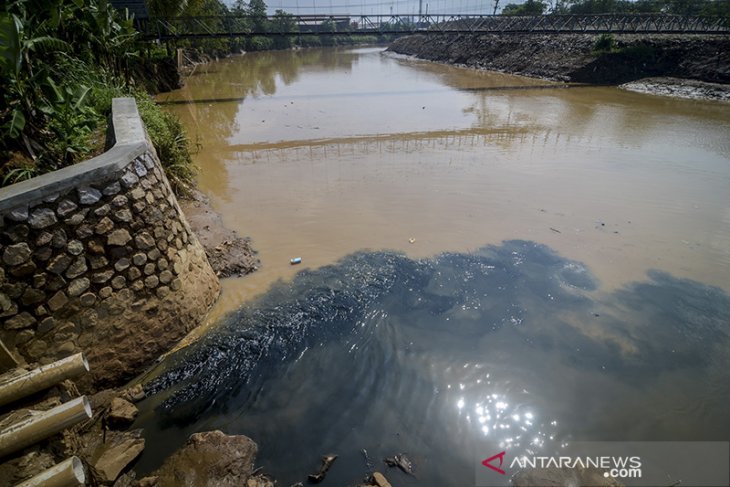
[403, 7]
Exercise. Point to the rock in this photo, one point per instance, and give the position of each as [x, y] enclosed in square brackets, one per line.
[98, 261]
[16, 254]
[88, 195]
[78, 286]
[58, 301]
[121, 413]
[119, 282]
[147, 482]
[139, 206]
[77, 268]
[102, 211]
[43, 253]
[43, 239]
[18, 214]
[59, 239]
[260, 481]
[120, 201]
[37, 349]
[87, 299]
[42, 218]
[118, 237]
[134, 273]
[380, 480]
[119, 451]
[66, 207]
[102, 277]
[129, 179]
[122, 264]
[166, 277]
[112, 189]
[134, 393]
[104, 226]
[96, 247]
[32, 296]
[144, 241]
[84, 231]
[139, 259]
[75, 219]
[124, 216]
[327, 462]
[137, 193]
[18, 322]
[59, 264]
[75, 247]
[209, 459]
[140, 168]
[151, 281]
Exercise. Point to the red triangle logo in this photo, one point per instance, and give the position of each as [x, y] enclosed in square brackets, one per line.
[488, 462]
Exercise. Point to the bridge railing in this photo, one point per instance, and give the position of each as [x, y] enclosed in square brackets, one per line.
[321, 25]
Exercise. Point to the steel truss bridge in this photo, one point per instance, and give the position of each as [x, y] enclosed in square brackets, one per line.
[328, 25]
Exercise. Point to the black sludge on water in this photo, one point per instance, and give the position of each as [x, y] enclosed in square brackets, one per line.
[329, 302]
[280, 325]
[511, 343]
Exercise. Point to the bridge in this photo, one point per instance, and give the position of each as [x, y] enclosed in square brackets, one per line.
[349, 25]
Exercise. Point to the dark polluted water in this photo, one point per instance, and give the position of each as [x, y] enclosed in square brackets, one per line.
[512, 343]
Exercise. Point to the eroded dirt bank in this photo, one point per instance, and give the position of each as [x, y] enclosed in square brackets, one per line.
[573, 57]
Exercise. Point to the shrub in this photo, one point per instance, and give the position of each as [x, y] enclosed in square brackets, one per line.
[604, 43]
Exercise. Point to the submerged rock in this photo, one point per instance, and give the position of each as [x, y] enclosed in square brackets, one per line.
[121, 413]
[119, 451]
[208, 459]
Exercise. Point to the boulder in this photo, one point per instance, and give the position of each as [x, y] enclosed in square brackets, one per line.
[117, 453]
[209, 459]
[121, 413]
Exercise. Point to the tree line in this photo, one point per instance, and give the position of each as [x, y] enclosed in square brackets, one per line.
[709, 8]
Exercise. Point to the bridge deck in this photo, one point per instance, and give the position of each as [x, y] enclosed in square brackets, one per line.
[327, 25]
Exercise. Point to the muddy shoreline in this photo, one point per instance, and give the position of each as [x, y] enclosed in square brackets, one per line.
[690, 66]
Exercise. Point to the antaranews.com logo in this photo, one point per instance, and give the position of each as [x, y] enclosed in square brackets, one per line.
[701, 464]
[613, 467]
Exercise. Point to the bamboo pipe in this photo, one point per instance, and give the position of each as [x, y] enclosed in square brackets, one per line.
[17, 387]
[68, 473]
[41, 425]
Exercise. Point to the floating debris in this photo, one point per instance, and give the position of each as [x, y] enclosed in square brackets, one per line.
[327, 462]
[412, 240]
[401, 461]
[295, 261]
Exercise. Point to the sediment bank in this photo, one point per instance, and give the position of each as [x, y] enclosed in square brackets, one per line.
[574, 57]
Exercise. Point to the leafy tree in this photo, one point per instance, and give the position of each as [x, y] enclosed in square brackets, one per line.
[283, 22]
[530, 7]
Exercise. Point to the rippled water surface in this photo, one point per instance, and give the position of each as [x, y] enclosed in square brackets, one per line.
[567, 279]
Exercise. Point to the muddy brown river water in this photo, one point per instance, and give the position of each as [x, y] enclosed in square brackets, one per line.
[319, 153]
[484, 255]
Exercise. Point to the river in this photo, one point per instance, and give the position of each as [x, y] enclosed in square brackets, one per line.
[482, 254]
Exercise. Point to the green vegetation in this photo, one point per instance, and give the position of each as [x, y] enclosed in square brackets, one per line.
[530, 7]
[61, 63]
[604, 43]
[713, 8]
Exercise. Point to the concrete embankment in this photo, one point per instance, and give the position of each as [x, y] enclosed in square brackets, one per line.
[573, 57]
[98, 257]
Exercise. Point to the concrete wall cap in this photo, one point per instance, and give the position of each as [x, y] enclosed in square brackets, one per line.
[130, 143]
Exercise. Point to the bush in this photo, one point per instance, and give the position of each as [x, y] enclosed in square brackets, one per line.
[604, 43]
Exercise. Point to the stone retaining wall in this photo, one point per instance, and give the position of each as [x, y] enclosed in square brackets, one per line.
[99, 258]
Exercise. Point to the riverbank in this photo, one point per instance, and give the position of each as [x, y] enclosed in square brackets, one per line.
[622, 59]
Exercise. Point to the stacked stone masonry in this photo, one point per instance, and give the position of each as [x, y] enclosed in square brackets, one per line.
[110, 267]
